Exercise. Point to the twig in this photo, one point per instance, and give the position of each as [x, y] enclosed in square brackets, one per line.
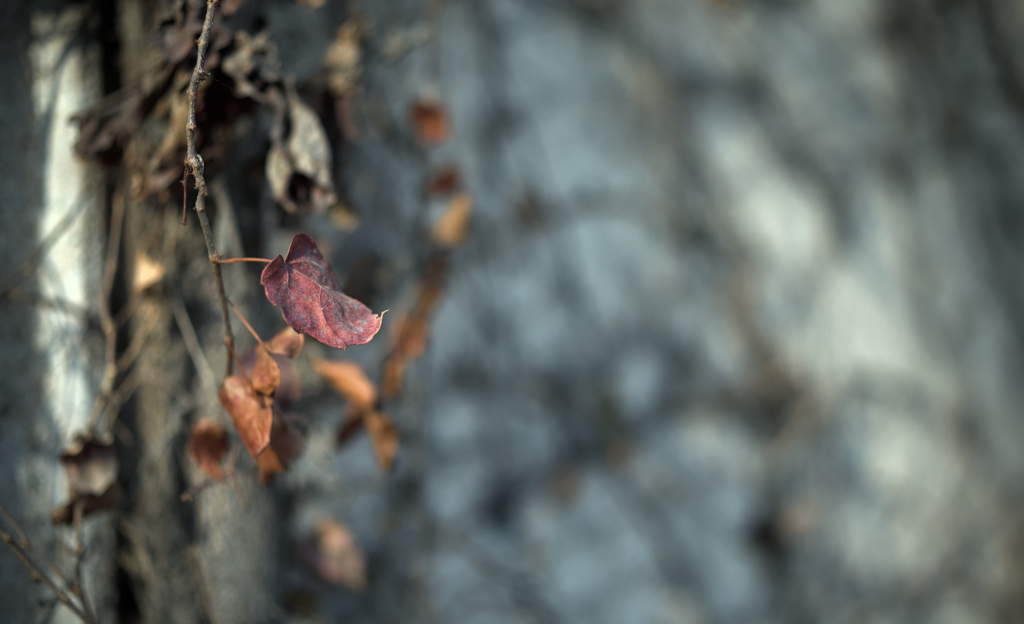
[22, 550]
[195, 350]
[230, 260]
[194, 166]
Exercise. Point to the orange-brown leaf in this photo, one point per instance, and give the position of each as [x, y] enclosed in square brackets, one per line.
[450, 230]
[349, 380]
[430, 121]
[384, 436]
[444, 182]
[250, 412]
[287, 342]
[207, 445]
[266, 376]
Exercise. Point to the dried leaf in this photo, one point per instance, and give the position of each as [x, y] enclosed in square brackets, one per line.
[285, 444]
[299, 170]
[254, 65]
[336, 557]
[349, 380]
[91, 466]
[250, 411]
[289, 389]
[444, 182]
[430, 121]
[305, 288]
[384, 436]
[108, 124]
[287, 343]
[412, 330]
[207, 445]
[450, 230]
[266, 376]
[343, 57]
[148, 273]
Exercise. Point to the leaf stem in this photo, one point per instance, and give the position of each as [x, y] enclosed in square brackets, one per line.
[247, 325]
[230, 260]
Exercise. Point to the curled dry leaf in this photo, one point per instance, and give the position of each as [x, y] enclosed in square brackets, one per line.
[266, 376]
[105, 127]
[249, 410]
[411, 332]
[285, 444]
[343, 57]
[207, 445]
[384, 436]
[450, 230]
[148, 273]
[348, 380]
[429, 121]
[299, 168]
[289, 389]
[91, 468]
[444, 181]
[287, 342]
[336, 557]
[305, 288]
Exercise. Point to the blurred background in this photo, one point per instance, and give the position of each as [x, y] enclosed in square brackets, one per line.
[701, 311]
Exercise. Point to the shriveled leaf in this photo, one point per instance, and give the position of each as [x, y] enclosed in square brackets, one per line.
[254, 66]
[207, 445]
[250, 411]
[305, 288]
[285, 444]
[265, 374]
[429, 121]
[450, 230]
[104, 128]
[287, 342]
[384, 436]
[148, 273]
[443, 182]
[349, 380]
[299, 168]
[91, 466]
[336, 557]
[290, 387]
[343, 56]
[413, 329]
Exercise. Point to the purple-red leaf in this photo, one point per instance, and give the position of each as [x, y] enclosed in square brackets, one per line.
[304, 287]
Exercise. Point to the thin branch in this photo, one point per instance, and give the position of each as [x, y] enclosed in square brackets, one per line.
[22, 550]
[195, 350]
[28, 267]
[194, 166]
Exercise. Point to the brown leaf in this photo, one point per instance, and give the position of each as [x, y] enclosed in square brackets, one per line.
[336, 557]
[412, 330]
[349, 380]
[250, 411]
[207, 445]
[384, 436]
[91, 466]
[105, 127]
[289, 389]
[299, 169]
[266, 376]
[445, 181]
[450, 230]
[305, 288]
[429, 121]
[285, 444]
[287, 342]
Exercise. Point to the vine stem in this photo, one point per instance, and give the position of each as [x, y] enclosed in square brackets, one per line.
[194, 167]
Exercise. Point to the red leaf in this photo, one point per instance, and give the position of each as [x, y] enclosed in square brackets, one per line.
[207, 446]
[430, 121]
[304, 287]
[250, 412]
